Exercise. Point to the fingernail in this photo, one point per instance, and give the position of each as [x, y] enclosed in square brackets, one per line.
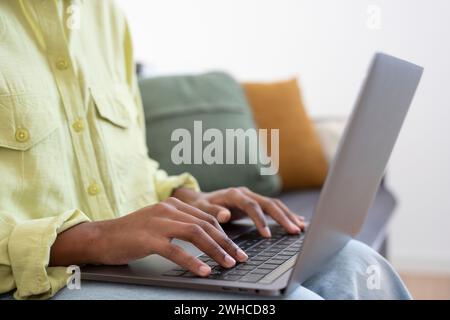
[204, 270]
[295, 229]
[229, 261]
[242, 256]
[266, 232]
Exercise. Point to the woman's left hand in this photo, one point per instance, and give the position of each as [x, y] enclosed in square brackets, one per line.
[222, 204]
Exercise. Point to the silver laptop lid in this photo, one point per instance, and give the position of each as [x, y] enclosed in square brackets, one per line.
[359, 165]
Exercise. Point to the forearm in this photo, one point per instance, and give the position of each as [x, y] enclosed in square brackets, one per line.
[77, 245]
[109, 242]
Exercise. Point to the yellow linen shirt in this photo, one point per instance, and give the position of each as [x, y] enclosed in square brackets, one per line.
[72, 140]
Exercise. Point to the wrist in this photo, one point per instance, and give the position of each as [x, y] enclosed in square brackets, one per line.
[93, 242]
[77, 245]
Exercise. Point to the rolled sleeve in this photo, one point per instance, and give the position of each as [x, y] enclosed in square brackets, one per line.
[29, 254]
[165, 184]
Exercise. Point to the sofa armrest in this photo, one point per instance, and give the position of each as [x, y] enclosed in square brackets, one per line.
[330, 131]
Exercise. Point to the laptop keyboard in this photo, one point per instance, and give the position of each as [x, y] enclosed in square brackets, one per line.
[264, 256]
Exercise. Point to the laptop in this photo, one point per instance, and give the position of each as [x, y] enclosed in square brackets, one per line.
[278, 265]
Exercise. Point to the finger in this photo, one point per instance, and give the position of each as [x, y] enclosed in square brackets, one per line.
[221, 213]
[298, 220]
[194, 234]
[182, 258]
[226, 243]
[299, 223]
[235, 198]
[282, 218]
[275, 211]
[217, 235]
[195, 212]
[270, 205]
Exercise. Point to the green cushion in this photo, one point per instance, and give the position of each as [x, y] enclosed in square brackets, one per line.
[216, 99]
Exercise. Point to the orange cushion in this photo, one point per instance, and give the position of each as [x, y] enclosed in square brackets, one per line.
[279, 106]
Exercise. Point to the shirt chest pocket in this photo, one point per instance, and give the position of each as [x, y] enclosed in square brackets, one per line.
[121, 137]
[25, 120]
[117, 121]
[31, 153]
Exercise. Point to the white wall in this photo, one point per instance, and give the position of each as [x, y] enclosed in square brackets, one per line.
[327, 45]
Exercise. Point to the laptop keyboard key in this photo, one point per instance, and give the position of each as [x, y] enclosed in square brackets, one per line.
[244, 267]
[287, 253]
[252, 262]
[282, 258]
[238, 272]
[251, 253]
[251, 277]
[260, 258]
[219, 270]
[232, 277]
[284, 254]
[174, 273]
[204, 258]
[266, 254]
[269, 266]
[261, 271]
[275, 261]
[212, 264]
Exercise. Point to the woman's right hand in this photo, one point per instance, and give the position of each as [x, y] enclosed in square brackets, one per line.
[147, 231]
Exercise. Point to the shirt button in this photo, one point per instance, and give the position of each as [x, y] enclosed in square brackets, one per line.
[93, 189]
[78, 125]
[22, 135]
[62, 64]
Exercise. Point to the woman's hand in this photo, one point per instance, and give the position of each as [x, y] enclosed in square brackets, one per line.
[222, 203]
[149, 230]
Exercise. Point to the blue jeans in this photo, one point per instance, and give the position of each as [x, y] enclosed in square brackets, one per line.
[356, 272]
